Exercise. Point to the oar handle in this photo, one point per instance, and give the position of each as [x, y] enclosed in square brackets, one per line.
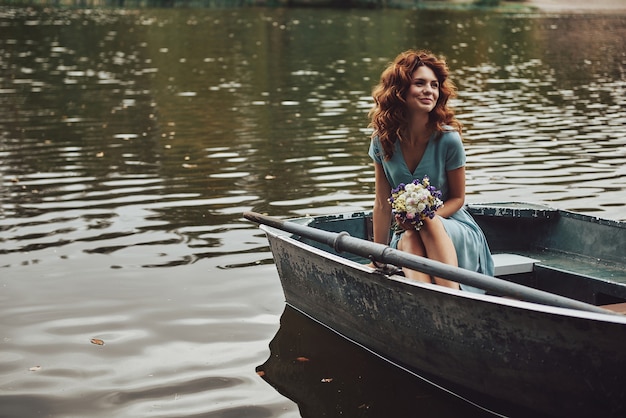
[345, 242]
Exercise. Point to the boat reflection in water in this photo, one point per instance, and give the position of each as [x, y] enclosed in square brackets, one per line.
[327, 376]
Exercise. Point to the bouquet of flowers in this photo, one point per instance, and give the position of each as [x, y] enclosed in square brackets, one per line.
[415, 201]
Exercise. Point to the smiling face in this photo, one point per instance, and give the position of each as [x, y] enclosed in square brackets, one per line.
[423, 93]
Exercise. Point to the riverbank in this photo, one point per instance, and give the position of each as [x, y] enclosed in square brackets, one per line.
[548, 6]
[522, 6]
[578, 6]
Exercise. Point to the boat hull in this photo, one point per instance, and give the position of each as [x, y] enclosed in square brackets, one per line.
[514, 356]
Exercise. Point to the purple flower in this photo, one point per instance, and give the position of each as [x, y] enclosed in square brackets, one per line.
[412, 204]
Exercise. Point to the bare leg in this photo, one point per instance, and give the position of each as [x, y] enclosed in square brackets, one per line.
[411, 242]
[439, 246]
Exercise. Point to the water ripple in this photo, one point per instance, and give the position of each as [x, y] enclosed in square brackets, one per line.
[131, 148]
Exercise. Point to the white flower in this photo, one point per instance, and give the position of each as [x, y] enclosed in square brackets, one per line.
[414, 202]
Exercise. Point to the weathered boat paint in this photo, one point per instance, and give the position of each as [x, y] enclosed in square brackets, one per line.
[510, 355]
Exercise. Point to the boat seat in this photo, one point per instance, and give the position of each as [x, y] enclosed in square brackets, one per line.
[616, 307]
[506, 264]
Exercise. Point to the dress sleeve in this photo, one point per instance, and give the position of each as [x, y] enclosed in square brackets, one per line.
[455, 153]
[376, 150]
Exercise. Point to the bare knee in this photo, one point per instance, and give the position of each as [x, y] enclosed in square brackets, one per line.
[411, 242]
[432, 229]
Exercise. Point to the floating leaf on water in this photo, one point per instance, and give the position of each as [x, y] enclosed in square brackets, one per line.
[97, 341]
[327, 380]
[35, 368]
[302, 359]
[125, 137]
[100, 154]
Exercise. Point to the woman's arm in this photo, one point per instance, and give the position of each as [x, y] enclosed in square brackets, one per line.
[382, 207]
[456, 193]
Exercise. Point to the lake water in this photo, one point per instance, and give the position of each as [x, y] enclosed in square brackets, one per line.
[131, 141]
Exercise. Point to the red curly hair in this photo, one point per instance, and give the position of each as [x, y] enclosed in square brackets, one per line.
[389, 116]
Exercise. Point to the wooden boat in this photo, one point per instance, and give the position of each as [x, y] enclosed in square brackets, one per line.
[555, 346]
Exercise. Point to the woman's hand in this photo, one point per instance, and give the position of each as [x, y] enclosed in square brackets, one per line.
[407, 226]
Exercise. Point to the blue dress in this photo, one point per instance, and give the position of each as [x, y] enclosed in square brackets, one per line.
[441, 155]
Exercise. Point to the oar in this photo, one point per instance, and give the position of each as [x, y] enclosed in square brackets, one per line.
[343, 241]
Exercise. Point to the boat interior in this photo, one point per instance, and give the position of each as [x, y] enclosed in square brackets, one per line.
[564, 253]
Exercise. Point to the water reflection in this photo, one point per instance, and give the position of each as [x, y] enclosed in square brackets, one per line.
[132, 140]
[328, 376]
[270, 106]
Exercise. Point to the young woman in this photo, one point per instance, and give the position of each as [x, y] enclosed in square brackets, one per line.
[416, 134]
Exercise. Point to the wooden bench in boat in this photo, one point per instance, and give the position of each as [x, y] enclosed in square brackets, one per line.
[616, 307]
[505, 264]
